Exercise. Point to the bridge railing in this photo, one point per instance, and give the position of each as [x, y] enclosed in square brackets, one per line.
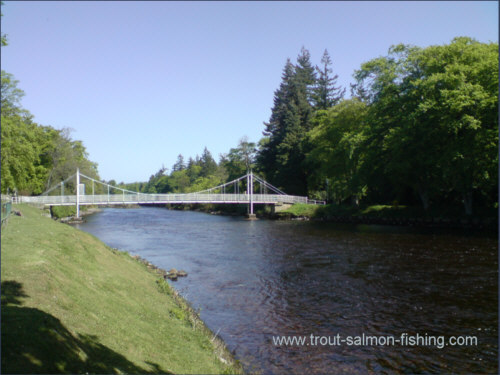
[163, 198]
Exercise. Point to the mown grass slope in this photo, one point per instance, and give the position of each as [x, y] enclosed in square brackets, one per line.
[70, 304]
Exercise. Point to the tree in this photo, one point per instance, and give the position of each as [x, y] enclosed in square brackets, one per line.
[240, 159]
[459, 86]
[325, 94]
[207, 163]
[179, 164]
[337, 151]
[3, 38]
[433, 119]
[21, 170]
[281, 157]
[11, 96]
[64, 156]
[305, 74]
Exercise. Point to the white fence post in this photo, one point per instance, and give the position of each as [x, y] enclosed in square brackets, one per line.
[77, 192]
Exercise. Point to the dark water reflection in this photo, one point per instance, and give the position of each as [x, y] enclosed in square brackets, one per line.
[256, 280]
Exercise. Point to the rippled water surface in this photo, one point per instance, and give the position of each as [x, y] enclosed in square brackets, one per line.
[255, 280]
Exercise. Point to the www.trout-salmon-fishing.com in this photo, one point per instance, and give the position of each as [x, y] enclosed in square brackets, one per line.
[404, 339]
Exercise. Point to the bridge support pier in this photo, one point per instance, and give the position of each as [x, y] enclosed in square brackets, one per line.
[250, 195]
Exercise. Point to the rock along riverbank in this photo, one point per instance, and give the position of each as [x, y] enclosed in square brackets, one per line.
[72, 304]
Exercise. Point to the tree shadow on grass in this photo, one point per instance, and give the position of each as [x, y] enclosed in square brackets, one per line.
[36, 342]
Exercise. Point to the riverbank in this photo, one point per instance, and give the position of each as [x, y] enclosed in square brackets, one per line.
[72, 304]
[386, 215]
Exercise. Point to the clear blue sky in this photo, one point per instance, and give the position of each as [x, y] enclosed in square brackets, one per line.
[141, 82]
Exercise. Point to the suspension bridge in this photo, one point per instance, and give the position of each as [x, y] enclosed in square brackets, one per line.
[249, 189]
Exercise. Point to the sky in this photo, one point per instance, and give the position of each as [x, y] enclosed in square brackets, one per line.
[142, 82]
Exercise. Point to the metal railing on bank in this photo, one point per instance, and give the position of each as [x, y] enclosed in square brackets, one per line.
[6, 208]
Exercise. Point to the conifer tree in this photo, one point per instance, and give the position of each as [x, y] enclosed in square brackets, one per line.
[325, 94]
[207, 163]
[179, 164]
[281, 158]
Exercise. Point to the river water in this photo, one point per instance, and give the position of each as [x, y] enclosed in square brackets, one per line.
[406, 290]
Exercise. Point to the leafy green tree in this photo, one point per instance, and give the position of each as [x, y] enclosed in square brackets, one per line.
[459, 86]
[34, 156]
[21, 169]
[3, 38]
[433, 119]
[338, 150]
[65, 155]
[203, 183]
[11, 96]
[240, 159]
[179, 181]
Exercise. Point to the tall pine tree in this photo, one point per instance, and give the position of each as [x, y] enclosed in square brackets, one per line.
[325, 94]
[281, 158]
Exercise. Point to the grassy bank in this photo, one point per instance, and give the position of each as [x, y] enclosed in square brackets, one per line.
[390, 214]
[70, 304]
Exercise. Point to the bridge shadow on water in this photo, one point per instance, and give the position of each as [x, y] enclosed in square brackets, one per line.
[36, 342]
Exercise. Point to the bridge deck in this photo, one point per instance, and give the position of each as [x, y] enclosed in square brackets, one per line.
[66, 200]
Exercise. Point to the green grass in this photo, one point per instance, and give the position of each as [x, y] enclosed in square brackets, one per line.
[59, 212]
[70, 304]
[302, 209]
[62, 211]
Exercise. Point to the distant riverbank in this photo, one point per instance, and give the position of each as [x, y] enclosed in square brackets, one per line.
[386, 215]
[72, 304]
[375, 214]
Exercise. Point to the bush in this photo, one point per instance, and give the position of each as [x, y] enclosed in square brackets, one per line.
[62, 211]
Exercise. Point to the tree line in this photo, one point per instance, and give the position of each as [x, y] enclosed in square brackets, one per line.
[201, 172]
[420, 129]
[35, 156]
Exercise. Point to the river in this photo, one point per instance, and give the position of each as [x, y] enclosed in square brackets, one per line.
[401, 291]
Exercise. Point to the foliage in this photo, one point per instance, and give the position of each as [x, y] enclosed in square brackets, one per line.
[433, 120]
[281, 157]
[240, 159]
[325, 93]
[33, 157]
[337, 150]
[421, 128]
[3, 37]
[59, 212]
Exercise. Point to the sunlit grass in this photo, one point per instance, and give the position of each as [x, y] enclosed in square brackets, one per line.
[72, 304]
